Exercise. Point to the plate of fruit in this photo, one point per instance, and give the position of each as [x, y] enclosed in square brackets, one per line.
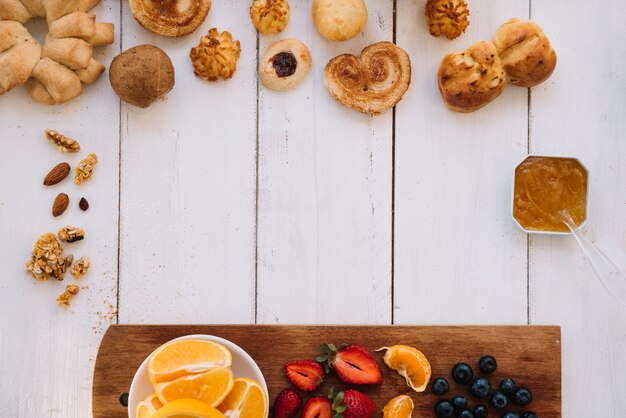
[199, 376]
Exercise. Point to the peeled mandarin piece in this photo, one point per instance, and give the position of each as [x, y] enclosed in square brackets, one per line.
[410, 363]
[184, 357]
[210, 387]
[247, 399]
[187, 408]
[147, 407]
[399, 407]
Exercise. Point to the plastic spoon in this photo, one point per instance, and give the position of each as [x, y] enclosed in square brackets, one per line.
[610, 276]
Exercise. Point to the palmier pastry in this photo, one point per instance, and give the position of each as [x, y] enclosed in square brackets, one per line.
[270, 16]
[216, 56]
[339, 20]
[525, 51]
[373, 82]
[170, 17]
[285, 64]
[471, 79]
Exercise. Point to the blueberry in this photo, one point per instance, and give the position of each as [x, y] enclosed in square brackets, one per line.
[440, 386]
[459, 402]
[462, 373]
[499, 400]
[481, 388]
[529, 415]
[466, 413]
[481, 411]
[508, 386]
[510, 415]
[487, 364]
[523, 396]
[444, 409]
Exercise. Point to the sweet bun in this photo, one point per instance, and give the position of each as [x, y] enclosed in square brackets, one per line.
[270, 16]
[373, 82]
[171, 17]
[285, 64]
[339, 20]
[471, 79]
[525, 51]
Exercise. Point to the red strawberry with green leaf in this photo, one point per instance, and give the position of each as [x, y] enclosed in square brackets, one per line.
[286, 404]
[318, 407]
[306, 375]
[351, 404]
[352, 363]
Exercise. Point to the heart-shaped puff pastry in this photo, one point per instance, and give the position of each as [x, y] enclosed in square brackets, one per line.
[373, 82]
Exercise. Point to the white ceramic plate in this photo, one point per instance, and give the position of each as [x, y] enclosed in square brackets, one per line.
[243, 366]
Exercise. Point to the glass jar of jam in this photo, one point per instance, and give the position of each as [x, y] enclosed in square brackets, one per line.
[548, 188]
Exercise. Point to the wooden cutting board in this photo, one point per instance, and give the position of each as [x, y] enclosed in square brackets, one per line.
[529, 354]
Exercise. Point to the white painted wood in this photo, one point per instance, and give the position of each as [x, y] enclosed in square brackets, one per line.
[324, 227]
[188, 187]
[458, 256]
[581, 112]
[47, 352]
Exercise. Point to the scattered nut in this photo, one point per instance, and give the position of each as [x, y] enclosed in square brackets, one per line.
[61, 203]
[84, 171]
[62, 142]
[83, 204]
[47, 259]
[65, 297]
[71, 234]
[80, 267]
[57, 174]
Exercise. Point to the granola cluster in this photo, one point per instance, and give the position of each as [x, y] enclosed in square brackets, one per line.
[62, 142]
[65, 297]
[80, 267]
[71, 234]
[84, 170]
[216, 56]
[47, 259]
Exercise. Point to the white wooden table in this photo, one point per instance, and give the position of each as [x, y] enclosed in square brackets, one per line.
[229, 203]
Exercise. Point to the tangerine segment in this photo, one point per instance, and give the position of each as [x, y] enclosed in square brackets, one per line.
[184, 357]
[410, 363]
[147, 407]
[210, 387]
[187, 408]
[399, 407]
[247, 399]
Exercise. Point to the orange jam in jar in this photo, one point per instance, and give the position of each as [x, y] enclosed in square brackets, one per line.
[544, 187]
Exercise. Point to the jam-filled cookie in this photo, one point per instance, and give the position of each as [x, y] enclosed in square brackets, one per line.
[285, 64]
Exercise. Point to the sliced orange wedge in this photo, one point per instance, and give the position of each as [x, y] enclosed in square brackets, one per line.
[185, 357]
[247, 399]
[147, 407]
[187, 408]
[399, 407]
[410, 363]
[209, 387]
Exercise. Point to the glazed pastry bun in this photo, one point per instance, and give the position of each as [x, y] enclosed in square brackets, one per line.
[339, 20]
[471, 79]
[285, 64]
[525, 51]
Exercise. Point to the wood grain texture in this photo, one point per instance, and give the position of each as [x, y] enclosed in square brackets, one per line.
[188, 187]
[458, 256]
[324, 203]
[47, 352]
[585, 120]
[532, 355]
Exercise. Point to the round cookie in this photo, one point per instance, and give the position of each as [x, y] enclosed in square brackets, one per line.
[339, 20]
[285, 64]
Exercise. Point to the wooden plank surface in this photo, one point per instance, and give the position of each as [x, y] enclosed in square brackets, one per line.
[585, 120]
[532, 355]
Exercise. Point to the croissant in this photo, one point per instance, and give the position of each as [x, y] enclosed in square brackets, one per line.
[14, 10]
[71, 52]
[61, 84]
[19, 53]
[35, 7]
[90, 74]
[75, 25]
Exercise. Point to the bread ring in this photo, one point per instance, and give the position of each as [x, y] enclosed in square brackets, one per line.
[373, 82]
[170, 17]
[285, 64]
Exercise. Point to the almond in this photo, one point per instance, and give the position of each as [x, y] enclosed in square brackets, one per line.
[57, 174]
[60, 204]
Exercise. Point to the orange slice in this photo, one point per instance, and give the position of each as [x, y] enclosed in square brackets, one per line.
[210, 387]
[147, 407]
[187, 408]
[184, 357]
[399, 407]
[247, 399]
[410, 363]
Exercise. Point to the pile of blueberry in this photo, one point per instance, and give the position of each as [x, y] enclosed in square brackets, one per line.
[481, 389]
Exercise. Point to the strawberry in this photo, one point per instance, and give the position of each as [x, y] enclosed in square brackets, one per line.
[318, 407]
[352, 404]
[352, 363]
[287, 404]
[305, 375]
